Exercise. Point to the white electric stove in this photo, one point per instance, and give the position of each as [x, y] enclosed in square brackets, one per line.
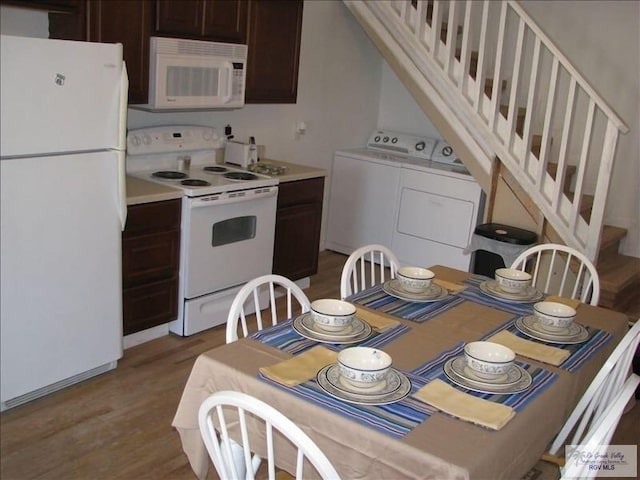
[184, 157]
[228, 218]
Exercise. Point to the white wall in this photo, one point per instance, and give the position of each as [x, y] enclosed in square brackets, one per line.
[602, 39]
[398, 110]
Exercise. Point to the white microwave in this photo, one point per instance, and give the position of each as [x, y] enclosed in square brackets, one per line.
[194, 74]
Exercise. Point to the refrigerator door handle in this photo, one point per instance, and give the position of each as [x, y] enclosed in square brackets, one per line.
[122, 189]
[122, 145]
[122, 112]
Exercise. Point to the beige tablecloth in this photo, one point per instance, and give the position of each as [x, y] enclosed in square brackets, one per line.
[441, 447]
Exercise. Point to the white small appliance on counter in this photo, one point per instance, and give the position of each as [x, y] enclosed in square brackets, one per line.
[238, 153]
[409, 193]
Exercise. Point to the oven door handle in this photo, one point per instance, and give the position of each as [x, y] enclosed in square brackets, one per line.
[233, 197]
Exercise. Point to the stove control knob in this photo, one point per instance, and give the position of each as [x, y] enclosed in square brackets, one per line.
[146, 139]
[420, 146]
[376, 138]
[394, 140]
[135, 140]
[385, 139]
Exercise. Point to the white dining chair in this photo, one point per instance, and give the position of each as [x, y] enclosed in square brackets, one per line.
[597, 402]
[365, 267]
[225, 409]
[597, 439]
[254, 294]
[554, 268]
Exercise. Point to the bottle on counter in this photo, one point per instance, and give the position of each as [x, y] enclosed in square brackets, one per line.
[253, 150]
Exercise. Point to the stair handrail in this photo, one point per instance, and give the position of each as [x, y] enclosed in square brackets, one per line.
[602, 104]
[557, 207]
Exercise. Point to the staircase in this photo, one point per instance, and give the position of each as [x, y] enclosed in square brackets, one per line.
[501, 93]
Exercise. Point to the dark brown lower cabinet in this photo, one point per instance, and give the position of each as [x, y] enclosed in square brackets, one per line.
[150, 264]
[298, 223]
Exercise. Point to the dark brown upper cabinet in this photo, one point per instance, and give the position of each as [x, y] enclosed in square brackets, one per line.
[275, 28]
[213, 20]
[128, 22]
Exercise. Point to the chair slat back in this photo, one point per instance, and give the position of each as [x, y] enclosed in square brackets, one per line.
[561, 270]
[234, 461]
[365, 267]
[599, 436]
[603, 390]
[249, 298]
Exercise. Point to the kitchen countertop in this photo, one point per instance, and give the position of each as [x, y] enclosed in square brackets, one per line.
[294, 171]
[140, 191]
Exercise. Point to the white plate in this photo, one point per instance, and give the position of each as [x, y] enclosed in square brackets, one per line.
[326, 337]
[381, 398]
[513, 376]
[529, 326]
[491, 288]
[521, 385]
[388, 386]
[355, 328]
[434, 293]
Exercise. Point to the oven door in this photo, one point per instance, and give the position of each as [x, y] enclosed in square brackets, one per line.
[227, 239]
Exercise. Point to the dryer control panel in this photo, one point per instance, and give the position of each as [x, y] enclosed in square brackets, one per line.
[402, 144]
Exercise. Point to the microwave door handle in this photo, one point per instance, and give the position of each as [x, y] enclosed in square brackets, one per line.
[227, 96]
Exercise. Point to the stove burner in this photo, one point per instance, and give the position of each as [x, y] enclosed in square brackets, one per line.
[169, 174]
[240, 176]
[194, 182]
[215, 169]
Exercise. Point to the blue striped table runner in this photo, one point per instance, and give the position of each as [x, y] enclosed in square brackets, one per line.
[376, 299]
[542, 379]
[580, 352]
[283, 337]
[473, 294]
[396, 419]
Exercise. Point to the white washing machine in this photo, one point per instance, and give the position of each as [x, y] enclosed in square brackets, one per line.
[407, 192]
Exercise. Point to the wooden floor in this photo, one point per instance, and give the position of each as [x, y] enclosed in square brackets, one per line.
[118, 425]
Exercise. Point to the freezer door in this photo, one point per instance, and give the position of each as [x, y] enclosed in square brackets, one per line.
[59, 96]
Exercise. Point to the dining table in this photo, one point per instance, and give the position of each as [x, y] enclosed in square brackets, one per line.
[413, 436]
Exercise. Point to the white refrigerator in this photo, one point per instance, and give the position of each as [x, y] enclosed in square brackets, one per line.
[62, 210]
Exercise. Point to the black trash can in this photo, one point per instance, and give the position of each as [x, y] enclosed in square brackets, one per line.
[496, 245]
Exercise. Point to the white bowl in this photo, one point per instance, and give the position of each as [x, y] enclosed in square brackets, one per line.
[414, 279]
[363, 367]
[332, 315]
[487, 359]
[512, 281]
[554, 316]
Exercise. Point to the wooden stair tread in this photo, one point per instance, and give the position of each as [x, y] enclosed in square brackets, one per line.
[488, 87]
[609, 240]
[522, 113]
[618, 272]
[570, 170]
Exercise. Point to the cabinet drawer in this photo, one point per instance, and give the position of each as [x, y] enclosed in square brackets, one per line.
[301, 191]
[150, 257]
[149, 305]
[153, 217]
